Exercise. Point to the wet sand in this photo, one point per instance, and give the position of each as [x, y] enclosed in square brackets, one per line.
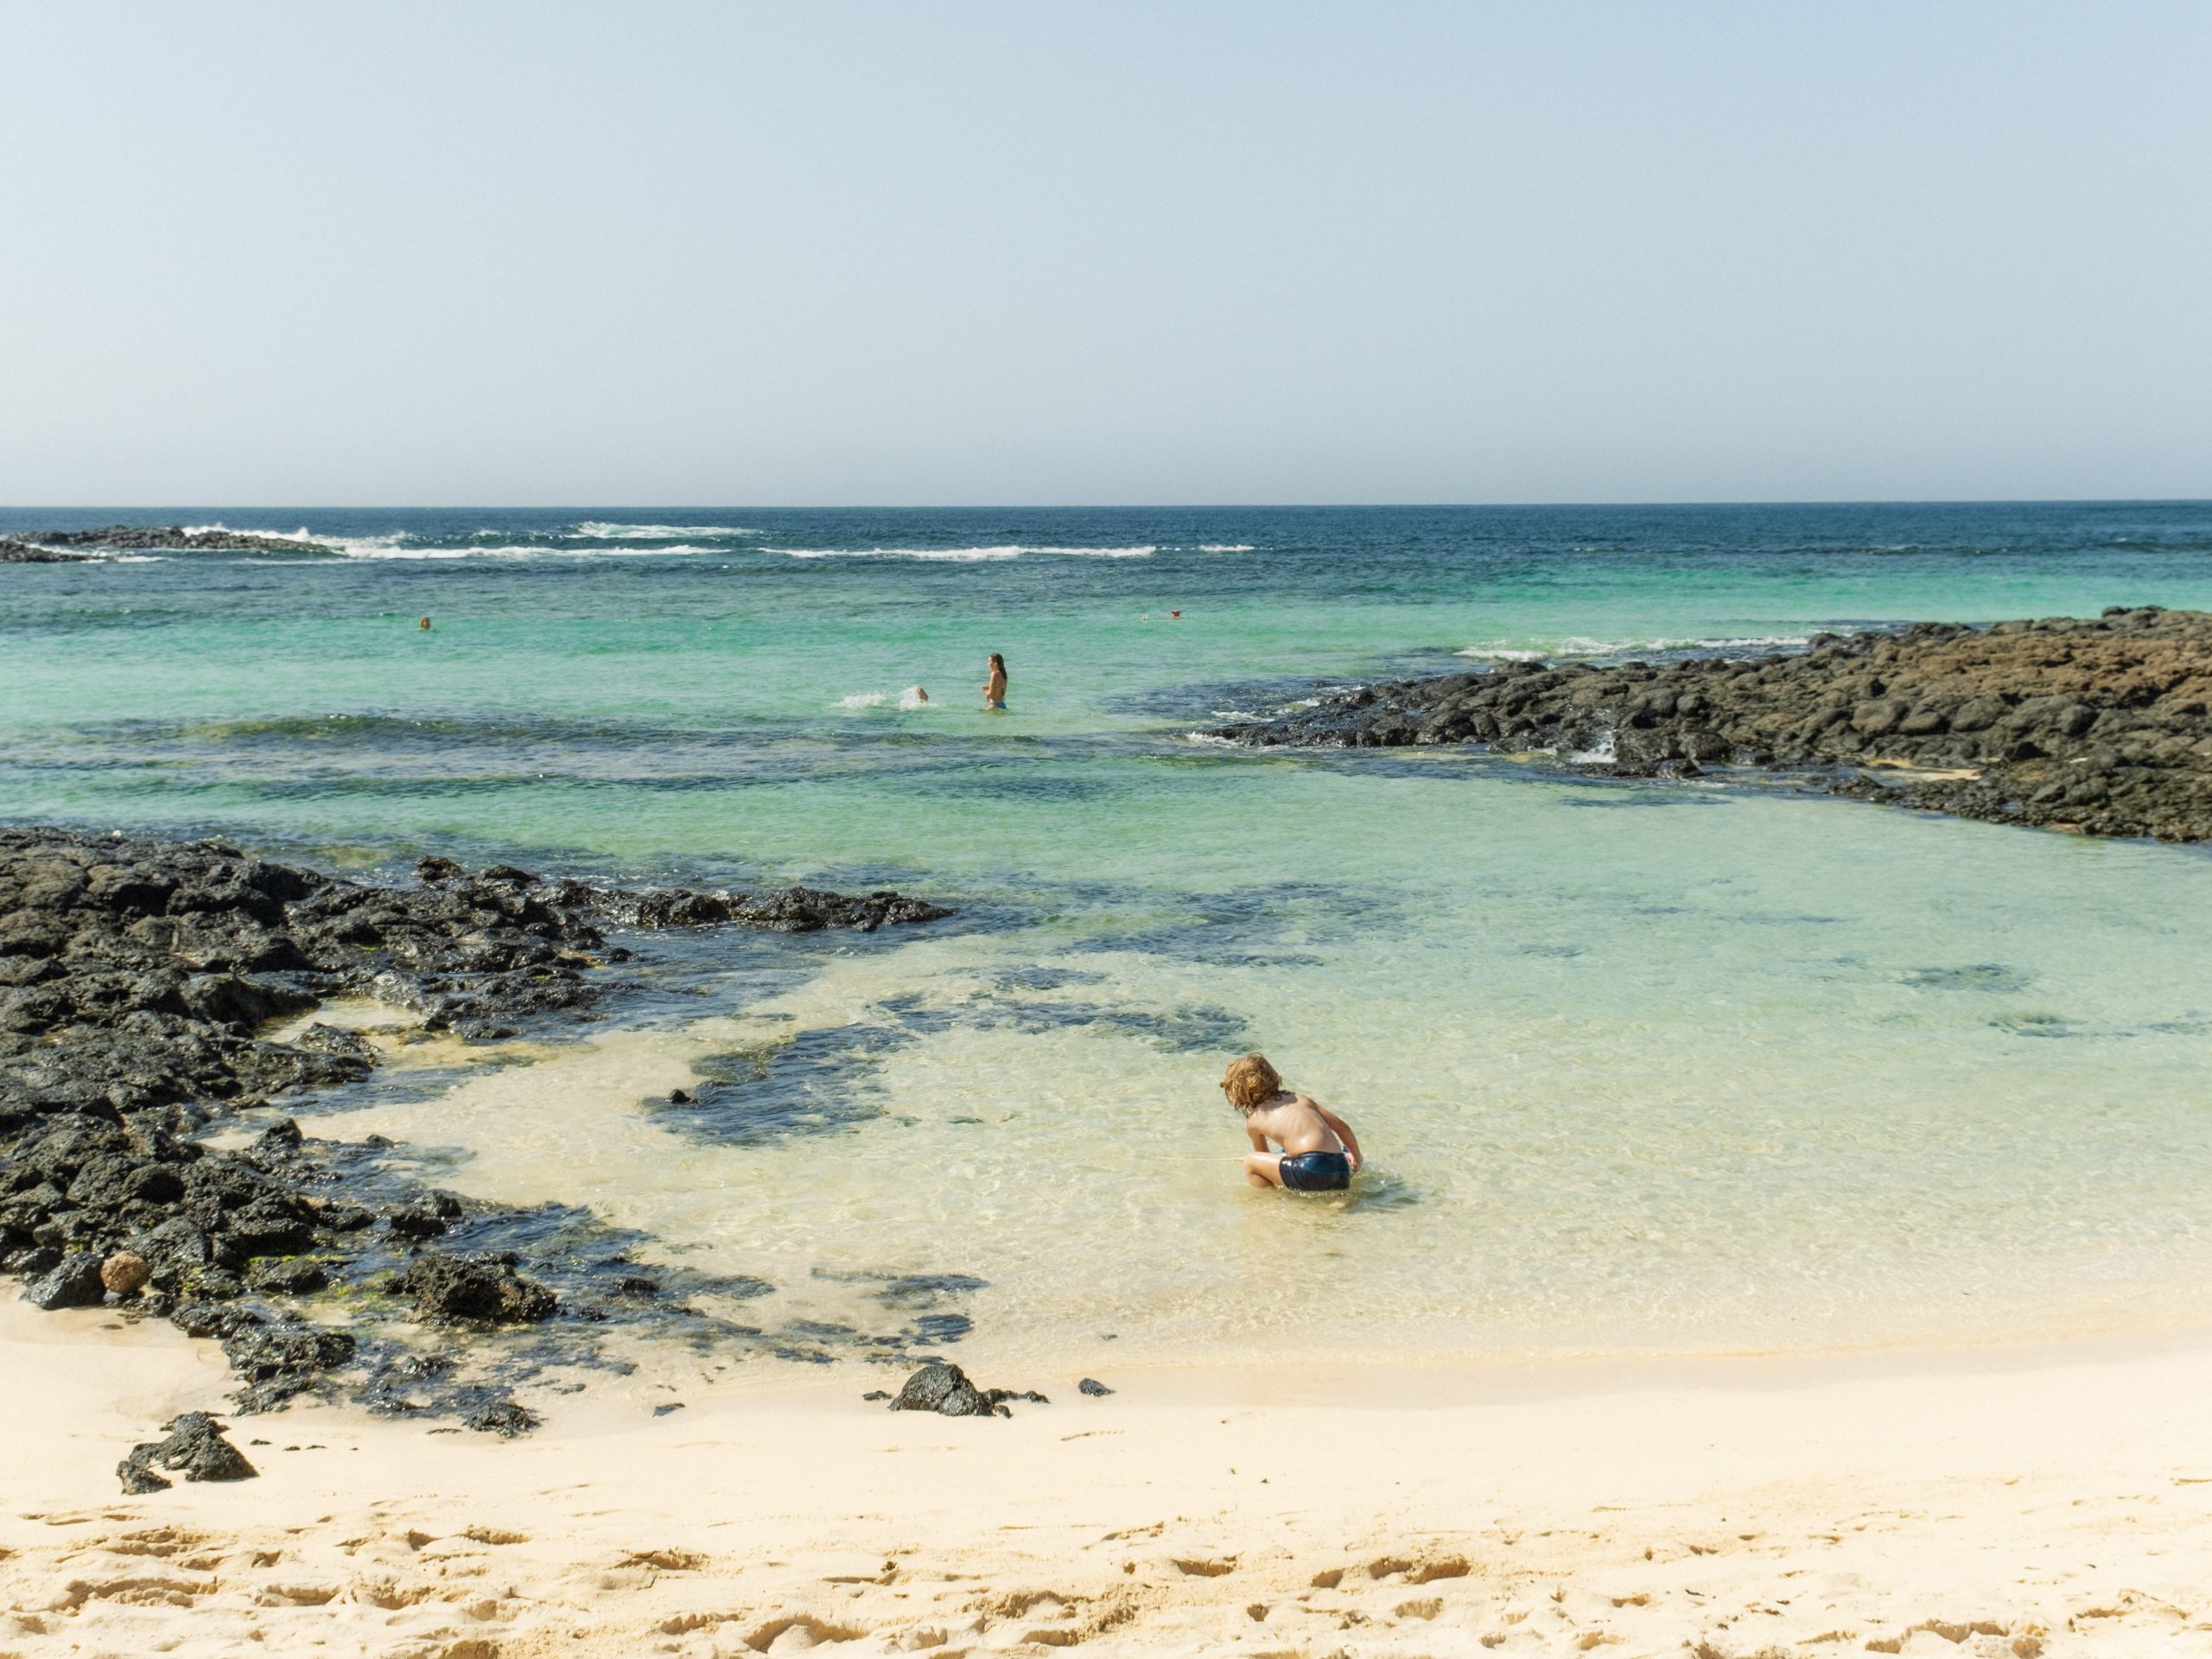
[2053, 1502]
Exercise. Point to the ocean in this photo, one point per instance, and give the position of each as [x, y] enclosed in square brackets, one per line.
[1641, 1067]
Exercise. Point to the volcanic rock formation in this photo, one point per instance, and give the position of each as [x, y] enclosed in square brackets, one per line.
[2097, 727]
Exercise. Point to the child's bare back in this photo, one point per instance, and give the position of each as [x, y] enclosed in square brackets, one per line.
[1319, 1151]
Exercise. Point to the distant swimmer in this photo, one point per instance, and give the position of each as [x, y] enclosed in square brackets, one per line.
[994, 687]
[913, 696]
[1174, 616]
[426, 625]
[1320, 1152]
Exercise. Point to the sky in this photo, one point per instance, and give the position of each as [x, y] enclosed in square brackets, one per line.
[832, 252]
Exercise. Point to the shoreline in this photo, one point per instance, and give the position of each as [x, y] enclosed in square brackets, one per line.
[2057, 1506]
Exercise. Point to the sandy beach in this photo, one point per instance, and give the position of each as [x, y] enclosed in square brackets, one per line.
[2056, 1502]
[1301, 831]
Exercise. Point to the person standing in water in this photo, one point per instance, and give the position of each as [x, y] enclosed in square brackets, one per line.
[994, 687]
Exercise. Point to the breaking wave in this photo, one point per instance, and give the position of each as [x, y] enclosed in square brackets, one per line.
[1580, 646]
[962, 555]
[593, 530]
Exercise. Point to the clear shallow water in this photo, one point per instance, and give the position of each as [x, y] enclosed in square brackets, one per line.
[1639, 1066]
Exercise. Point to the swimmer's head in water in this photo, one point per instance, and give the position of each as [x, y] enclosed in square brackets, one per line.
[1250, 1080]
[426, 622]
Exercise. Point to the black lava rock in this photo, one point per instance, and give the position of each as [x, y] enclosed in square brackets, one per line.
[74, 1283]
[484, 1287]
[417, 1221]
[1094, 1388]
[212, 1318]
[279, 1363]
[2098, 726]
[504, 1418]
[195, 1448]
[944, 1388]
[289, 1275]
[138, 980]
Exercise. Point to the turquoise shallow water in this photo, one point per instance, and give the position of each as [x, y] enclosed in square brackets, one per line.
[1639, 1065]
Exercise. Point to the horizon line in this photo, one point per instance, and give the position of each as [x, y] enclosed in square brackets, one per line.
[1104, 506]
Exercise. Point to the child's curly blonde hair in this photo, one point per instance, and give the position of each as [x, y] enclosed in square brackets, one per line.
[1250, 1082]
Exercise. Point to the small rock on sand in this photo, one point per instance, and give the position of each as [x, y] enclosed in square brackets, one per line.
[944, 1388]
[195, 1448]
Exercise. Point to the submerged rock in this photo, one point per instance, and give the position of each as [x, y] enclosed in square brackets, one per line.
[2100, 727]
[279, 1363]
[338, 1042]
[195, 1448]
[1094, 1388]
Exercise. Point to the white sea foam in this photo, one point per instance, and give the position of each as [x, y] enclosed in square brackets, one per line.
[912, 698]
[860, 699]
[401, 547]
[593, 529]
[388, 547]
[302, 534]
[407, 544]
[962, 555]
[1225, 547]
[1582, 645]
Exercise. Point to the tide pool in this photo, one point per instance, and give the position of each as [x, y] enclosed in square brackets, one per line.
[1640, 1067]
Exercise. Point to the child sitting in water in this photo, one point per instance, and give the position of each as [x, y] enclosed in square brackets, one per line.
[1320, 1152]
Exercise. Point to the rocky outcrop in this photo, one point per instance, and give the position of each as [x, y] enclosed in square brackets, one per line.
[137, 981]
[15, 552]
[165, 539]
[2098, 726]
[136, 977]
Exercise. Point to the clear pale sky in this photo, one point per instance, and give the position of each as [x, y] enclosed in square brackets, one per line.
[819, 252]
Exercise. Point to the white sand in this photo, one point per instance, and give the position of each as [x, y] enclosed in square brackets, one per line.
[2054, 1504]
